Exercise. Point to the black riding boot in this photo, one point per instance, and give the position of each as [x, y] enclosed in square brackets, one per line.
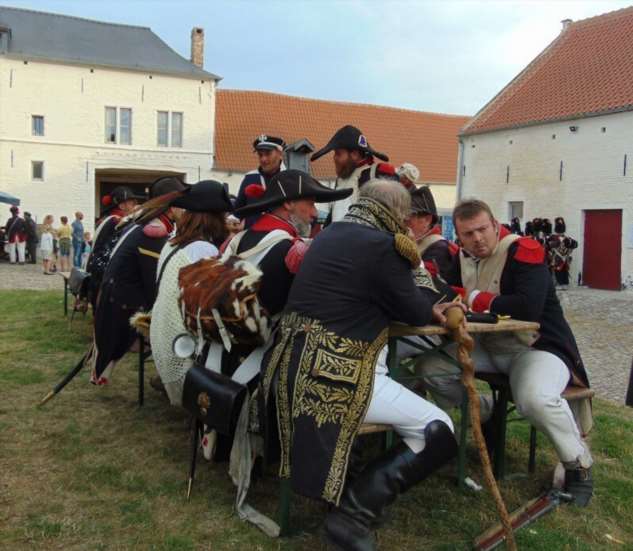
[349, 526]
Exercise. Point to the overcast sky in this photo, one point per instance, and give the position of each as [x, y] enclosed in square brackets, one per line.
[445, 56]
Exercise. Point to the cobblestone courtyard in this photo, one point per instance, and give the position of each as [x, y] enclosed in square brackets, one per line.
[602, 322]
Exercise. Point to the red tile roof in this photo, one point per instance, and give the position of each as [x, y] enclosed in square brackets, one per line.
[586, 70]
[428, 140]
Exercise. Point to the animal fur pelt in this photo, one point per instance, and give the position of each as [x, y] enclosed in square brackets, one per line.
[218, 301]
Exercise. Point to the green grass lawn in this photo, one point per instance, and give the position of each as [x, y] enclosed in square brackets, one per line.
[91, 470]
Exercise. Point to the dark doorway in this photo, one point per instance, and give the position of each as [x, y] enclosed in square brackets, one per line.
[603, 249]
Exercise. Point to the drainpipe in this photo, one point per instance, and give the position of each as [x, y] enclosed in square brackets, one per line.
[460, 168]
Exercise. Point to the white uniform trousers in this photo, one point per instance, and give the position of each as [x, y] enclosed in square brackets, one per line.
[17, 251]
[537, 379]
[395, 405]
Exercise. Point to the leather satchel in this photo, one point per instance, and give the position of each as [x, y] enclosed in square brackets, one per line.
[213, 398]
[77, 282]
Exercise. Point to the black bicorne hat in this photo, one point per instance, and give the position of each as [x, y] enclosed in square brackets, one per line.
[290, 185]
[205, 196]
[348, 137]
[422, 202]
[559, 225]
[167, 184]
[264, 142]
[119, 195]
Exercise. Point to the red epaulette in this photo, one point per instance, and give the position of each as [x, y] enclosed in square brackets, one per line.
[295, 255]
[453, 248]
[529, 251]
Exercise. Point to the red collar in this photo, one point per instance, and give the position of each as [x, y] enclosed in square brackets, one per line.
[270, 222]
[366, 161]
[169, 225]
[435, 230]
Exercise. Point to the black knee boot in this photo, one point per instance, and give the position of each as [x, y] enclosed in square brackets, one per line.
[348, 526]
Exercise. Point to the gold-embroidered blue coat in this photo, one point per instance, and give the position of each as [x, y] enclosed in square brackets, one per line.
[354, 281]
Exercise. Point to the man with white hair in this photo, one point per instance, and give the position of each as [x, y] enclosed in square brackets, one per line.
[408, 175]
[329, 366]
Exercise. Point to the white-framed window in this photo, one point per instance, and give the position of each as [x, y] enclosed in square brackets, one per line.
[37, 125]
[110, 124]
[118, 125]
[125, 126]
[169, 128]
[515, 209]
[37, 171]
[162, 123]
[176, 129]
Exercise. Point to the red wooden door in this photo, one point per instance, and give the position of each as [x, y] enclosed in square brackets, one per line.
[603, 249]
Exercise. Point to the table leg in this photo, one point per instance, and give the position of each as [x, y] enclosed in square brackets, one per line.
[500, 444]
[65, 297]
[285, 496]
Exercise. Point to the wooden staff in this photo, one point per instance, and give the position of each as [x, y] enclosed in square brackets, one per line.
[455, 323]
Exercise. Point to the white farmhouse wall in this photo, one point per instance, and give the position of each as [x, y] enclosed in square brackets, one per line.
[444, 195]
[73, 99]
[592, 177]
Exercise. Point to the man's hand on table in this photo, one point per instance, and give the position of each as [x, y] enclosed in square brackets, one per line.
[440, 309]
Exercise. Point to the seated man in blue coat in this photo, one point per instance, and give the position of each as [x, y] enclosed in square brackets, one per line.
[328, 365]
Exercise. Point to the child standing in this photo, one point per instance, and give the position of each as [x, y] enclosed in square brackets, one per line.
[64, 233]
[46, 243]
[86, 250]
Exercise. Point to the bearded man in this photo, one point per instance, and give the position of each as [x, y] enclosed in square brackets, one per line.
[355, 166]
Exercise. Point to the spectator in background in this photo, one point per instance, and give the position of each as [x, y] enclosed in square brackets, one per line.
[31, 237]
[16, 234]
[64, 233]
[408, 175]
[87, 249]
[46, 244]
[78, 238]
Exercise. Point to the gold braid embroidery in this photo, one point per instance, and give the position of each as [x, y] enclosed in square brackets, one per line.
[319, 396]
[352, 421]
[283, 412]
[407, 248]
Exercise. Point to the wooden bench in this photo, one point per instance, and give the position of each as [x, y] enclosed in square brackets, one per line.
[285, 488]
[502, 394]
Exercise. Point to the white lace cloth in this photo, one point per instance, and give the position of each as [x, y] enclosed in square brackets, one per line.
[167, 321]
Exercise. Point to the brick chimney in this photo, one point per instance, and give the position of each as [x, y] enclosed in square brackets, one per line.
[197, 46]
